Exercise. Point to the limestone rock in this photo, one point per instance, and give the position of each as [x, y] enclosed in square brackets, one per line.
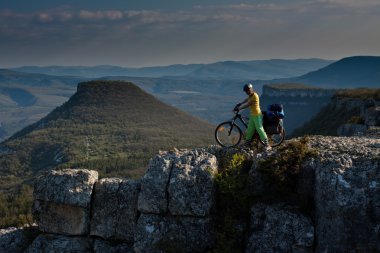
[277, 229]
[67, 186]
[114, 209]
[191, 186]
[59, 244]
[347, 194]
[16, 240]
[101, 246]
[153, 195]
[62, 201]
[156, 233]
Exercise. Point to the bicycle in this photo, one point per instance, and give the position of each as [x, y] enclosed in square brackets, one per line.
[229, 134]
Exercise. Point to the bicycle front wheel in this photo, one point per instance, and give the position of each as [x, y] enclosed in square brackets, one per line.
[228, 134]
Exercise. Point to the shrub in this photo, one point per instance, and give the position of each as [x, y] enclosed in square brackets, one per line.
[284, 168]
[232, 202]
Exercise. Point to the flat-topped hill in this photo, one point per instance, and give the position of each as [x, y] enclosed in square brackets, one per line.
[109, 124]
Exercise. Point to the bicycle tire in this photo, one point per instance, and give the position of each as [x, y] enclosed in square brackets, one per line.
[222, 136]
[275, 139]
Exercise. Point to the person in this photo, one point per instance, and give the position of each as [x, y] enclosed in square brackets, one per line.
[255, 122]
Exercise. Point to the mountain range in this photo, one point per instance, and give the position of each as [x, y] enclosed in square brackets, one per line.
[196, 89]
[262, 69]
[350, 72]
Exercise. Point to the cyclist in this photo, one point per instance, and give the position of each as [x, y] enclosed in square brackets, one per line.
[256, 118]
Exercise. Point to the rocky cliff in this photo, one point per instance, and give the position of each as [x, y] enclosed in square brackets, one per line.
[326, 202]
[301, 102]
[348, 113]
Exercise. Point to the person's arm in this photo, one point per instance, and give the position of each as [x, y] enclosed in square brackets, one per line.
[245, 104]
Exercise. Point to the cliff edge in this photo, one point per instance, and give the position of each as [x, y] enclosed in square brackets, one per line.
[328, 201]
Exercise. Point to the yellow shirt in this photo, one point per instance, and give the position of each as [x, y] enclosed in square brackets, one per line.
[255, 104]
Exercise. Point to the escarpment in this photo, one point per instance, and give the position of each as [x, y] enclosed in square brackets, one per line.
[330, 203]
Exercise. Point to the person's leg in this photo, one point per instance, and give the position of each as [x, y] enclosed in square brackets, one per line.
[250, 129]
[258, 121]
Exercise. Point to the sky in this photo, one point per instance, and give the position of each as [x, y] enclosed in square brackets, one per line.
[138, 33]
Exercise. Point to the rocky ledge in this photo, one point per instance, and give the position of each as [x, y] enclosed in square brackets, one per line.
[174, 207]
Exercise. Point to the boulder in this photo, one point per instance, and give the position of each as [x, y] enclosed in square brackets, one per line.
[279, 228]
[16, 240]
[59, 244]
[156, 233]
[101, 246]
[153, 195]
[62, 201]
[191, 186]
[347, 194]
[114, 209]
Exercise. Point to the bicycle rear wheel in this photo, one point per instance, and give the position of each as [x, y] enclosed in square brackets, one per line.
[275, 139]
[228, 134]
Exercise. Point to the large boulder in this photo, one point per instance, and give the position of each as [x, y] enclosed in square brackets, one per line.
[156, 233]
[114, 209]
[180, 182]
[62, 201]
[279, 228]
[347, 194]
[16, 240]
[191, 186]
[153, 195]
[59, 244]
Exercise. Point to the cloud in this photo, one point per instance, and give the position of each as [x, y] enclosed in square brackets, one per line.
[242, 30]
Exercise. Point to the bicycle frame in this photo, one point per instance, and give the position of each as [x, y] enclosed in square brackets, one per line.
[241, 118]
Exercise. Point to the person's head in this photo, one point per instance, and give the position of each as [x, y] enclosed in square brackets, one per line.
[248, 88]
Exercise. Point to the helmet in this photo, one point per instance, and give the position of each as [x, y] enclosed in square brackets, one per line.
[247, 86]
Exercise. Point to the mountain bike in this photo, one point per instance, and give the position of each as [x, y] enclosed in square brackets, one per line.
[229, 133]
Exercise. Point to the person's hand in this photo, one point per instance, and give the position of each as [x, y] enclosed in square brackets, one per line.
[236, 109]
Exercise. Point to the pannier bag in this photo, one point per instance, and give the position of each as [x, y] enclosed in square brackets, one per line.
[272, 119]
[277, 109]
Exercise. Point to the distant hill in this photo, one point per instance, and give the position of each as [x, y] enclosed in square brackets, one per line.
[26, 98]
[262, 69]
[35, 79]
[350, 72]
[110, 125]
[109, 70]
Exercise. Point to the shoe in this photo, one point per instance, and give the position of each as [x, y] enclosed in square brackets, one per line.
[267, 148]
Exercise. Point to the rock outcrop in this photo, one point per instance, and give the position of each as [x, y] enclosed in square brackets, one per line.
[173, 208]
[114, 209]
[278, 228]
[62, 201]
[347, 194]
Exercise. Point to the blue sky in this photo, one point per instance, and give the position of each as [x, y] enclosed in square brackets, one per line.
[138, 33]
